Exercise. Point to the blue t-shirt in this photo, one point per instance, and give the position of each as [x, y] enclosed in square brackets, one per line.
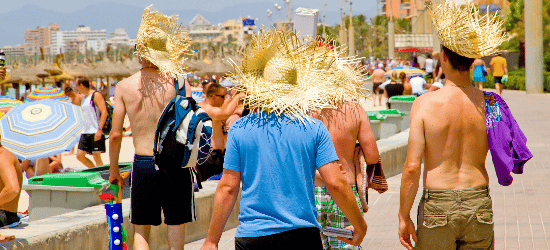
[277, 159]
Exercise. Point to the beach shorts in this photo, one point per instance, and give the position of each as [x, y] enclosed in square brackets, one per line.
[429, 75]
[330, 215]
[300, 238]
[455, 219]
[89, 145]
[154, 190]
[375, 88]
[212, 166]
[8, 219]
[498, 79]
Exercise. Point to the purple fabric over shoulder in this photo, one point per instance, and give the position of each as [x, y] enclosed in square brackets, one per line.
[507, 143]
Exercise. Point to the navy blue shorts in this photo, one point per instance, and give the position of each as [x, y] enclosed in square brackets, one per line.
[154, 190]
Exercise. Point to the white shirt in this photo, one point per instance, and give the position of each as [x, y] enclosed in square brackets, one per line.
[429, 65]
[383, 85]
[417, 84]
[90, 117]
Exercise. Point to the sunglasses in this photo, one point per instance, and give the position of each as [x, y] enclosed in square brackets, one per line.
[222, 96]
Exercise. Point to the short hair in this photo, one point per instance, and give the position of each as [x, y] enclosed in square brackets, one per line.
[213, 89]
[84, 81]
[402, 76]
[429, 56]
[68, 90]
[458, 62]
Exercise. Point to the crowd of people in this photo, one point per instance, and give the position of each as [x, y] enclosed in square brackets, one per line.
[300, 176]
[403, 84]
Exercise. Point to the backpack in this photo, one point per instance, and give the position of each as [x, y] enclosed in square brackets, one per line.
[109, 122]
[184, 132]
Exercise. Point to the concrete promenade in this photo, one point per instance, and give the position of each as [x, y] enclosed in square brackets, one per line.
[522, 210]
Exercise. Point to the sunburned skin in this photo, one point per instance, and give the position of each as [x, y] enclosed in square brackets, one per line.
[144, 101]
[346, 125]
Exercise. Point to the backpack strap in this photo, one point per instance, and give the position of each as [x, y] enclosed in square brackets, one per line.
[179, 83]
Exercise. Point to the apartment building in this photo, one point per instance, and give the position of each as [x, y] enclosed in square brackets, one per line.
[73, 40]
[39, 38]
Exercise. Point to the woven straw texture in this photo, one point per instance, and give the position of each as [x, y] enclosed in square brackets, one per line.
[282, 74]
[163, 41]
[462, 30]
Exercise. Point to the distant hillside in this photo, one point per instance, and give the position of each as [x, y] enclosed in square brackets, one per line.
[111, 16]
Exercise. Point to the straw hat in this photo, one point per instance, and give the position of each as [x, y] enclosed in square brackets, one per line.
[163, 42]
[462, 30]
[282, 74]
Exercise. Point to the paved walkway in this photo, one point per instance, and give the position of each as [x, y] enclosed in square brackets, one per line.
[522, 210]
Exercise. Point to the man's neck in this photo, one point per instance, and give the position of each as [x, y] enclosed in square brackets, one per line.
[459, 78]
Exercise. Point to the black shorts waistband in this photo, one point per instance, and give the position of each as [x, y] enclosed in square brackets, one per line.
[144, 158]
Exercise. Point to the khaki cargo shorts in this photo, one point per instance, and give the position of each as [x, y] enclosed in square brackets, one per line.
[455, 219]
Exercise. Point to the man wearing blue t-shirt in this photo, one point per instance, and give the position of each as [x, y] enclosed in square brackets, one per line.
[276, 159]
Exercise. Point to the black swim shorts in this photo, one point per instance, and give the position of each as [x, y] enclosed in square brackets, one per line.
[89, 145]
[8, 219]
[375, 87]
[498, 79]
[154, 190]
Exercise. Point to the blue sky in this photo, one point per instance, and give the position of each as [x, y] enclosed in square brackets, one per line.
[68, 6]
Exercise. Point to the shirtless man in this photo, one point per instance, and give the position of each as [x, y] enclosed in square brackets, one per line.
[377, 79]
[448, 131]
[219, 109]
[11, 180]
[346, 125]
[143, 96]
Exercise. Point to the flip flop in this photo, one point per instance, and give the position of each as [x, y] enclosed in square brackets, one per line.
[6, 238]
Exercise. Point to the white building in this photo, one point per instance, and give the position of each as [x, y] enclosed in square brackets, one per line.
[120, 38]
[62, 41]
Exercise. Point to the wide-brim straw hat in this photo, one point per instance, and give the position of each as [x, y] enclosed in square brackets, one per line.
[163, 41]
[461, 29]
[282, 74]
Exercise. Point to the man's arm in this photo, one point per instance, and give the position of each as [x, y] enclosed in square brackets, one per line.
[115, 137]
[228, 108]
[8, 175]
[411, 175]
[224, 201]
[505, 67]
[366, 137]
[100, 103]
[342, 194]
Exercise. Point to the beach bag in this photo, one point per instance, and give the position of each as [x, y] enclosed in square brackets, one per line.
[183, 135]
[109, 122]
[484, 70]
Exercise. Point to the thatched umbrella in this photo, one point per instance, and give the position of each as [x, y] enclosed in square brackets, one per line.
[80, 69]
[217, 67]
[133, 65]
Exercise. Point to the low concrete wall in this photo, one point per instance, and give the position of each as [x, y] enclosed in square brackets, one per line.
[393, 151]
[87, 229]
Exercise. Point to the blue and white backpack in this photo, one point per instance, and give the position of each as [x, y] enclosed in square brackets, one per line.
[184, 133]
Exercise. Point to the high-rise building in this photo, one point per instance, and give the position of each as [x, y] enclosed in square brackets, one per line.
[72, 40]
[39, 38]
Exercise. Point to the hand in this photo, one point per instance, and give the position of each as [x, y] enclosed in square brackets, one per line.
[2, 72]
[357, 237]
[209, 246]
[240, 95]
[406, 230]
[98, 135]
[115, 178]
[342, 169]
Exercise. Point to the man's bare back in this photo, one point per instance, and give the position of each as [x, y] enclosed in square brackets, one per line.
[378, 76]
[455, 138]
[346, 125]
[145, 95]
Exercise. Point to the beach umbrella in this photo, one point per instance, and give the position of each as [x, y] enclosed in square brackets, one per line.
[47, 93]
[7, 103]
[217, 67]
[41, 129]
[410, 71]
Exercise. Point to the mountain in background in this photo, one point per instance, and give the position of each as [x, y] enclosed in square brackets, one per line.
[111, 16]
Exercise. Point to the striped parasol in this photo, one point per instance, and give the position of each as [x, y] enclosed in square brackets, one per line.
[44, 93]
[410, 71]
[41, 129]
[7, 103]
